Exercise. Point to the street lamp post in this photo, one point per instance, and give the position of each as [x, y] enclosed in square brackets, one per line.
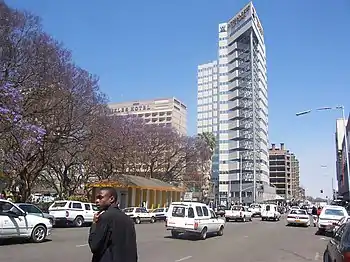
[345, 133]
[240, 178]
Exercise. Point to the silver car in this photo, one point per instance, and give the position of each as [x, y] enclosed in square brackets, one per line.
[34, 210]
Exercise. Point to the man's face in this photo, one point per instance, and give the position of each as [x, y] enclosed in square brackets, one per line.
[104, 199]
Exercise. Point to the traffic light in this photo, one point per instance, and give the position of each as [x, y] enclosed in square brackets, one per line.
[321, 191]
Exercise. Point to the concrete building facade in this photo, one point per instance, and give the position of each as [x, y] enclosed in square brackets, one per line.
[295, 177]
[284, 172]
[341, 164]
[167, 112]
[237, 108]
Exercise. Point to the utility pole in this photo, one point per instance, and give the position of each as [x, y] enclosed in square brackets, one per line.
[240, 178]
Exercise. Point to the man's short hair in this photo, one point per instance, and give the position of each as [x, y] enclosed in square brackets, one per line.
[111, 191]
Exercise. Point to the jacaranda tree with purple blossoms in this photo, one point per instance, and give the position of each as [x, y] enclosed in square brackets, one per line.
[42, 108]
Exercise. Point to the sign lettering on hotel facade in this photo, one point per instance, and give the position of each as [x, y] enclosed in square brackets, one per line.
[127, 109]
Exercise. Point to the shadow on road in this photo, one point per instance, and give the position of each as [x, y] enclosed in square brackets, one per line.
[189, 237]
[19, 241]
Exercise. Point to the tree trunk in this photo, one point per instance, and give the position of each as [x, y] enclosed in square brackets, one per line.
[206, 179]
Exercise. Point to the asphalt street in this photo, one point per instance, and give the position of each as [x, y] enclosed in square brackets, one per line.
[257, 241]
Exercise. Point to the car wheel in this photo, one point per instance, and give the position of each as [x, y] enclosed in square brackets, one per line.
[221, 231]
[326, 257]
[227, 219]
[244, 219]
[79, 221]
[204, 233]
[174, 234]
[137, 220]
[39, 234]
[153, 219]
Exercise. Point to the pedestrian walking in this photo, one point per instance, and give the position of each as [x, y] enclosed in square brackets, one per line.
[112, 235]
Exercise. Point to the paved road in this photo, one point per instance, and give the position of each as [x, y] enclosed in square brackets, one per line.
[256, 241]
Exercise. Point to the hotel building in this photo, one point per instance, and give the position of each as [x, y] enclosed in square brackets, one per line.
[233, 104]
[167, 112]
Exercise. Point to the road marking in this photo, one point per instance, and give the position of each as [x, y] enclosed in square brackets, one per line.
[323, 238]
[317, 256]
[246, 236]
[184, 258]
[84, 245]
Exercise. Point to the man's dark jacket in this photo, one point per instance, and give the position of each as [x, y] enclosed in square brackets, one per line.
[113, 238]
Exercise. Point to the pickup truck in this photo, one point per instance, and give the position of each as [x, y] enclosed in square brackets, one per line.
[238, 213]
[255, 209]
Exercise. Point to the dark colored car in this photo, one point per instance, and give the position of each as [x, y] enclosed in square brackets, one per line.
[220, 212]
[338, 248]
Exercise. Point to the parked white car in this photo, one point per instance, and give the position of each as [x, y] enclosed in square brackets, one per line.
[193, 218]
[73, 212]
[330, 215]
[160, 213]
[16, 223]
[298, 217]
[270, 212]
[140, 214]
[238, 213]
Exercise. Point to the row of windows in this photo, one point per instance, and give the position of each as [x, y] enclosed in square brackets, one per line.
[222, 38]
[214, 76]
[206, 69]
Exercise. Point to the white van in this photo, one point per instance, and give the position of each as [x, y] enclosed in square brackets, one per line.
[270, 212]
[193, 218]
[16, 223]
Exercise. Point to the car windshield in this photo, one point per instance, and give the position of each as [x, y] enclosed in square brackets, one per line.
[334, 212]
[59, 204]
[128, 210]
[178, 211]
[298, 212]
[95, 208]
[31, 209]
[236, 208]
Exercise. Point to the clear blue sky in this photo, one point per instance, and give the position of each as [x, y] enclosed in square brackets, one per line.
[148, 49]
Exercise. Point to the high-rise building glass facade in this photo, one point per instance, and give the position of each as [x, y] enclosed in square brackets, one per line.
[240, 118]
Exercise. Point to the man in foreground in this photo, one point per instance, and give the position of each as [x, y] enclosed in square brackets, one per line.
[112, 235]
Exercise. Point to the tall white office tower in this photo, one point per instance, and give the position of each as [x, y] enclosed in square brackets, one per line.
[242, 110]
[208, 108]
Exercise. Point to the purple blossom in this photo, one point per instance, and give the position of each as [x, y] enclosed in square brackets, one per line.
[11, 116]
